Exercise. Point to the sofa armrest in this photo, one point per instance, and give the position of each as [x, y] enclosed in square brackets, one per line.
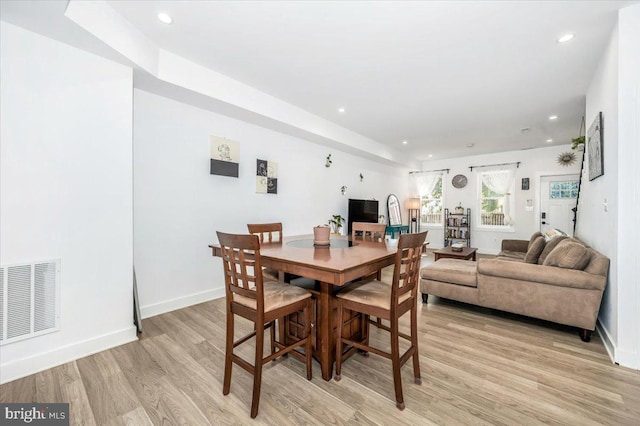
[551, 275]
[515, 245]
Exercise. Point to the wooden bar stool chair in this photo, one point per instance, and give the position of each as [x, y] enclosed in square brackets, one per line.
[270, 233]
[370, 231]
[248, 296]
[389, 302]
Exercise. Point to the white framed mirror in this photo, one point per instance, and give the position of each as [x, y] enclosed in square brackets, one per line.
[393, 210]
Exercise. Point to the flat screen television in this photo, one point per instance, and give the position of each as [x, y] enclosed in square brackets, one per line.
[362, 211]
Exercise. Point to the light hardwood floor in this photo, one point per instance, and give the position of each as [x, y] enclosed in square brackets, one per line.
[478, 367]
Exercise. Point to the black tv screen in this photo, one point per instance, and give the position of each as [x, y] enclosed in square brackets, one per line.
[362, 211]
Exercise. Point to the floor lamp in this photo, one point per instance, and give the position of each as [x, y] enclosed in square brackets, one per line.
[413, 205]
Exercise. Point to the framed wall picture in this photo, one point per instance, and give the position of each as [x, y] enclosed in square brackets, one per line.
[266, 177]
[225, 157]
[594, 148]
[525, 184]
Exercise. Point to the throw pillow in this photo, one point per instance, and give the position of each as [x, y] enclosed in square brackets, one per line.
[568, 255]
[548, 248]
[553, 233]
[533, 238]
[535, 249]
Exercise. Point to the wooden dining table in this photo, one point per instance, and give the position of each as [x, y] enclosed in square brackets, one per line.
[342, 262]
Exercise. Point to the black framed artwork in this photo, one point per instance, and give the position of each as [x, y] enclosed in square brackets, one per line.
[525, 184]
[594, 148]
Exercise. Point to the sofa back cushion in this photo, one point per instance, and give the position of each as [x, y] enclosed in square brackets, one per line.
[533, 238]
[568, 255]
[598, 263]
[535, 249]
[554, 233]
[548, 248]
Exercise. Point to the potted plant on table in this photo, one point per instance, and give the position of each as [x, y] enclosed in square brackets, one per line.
[336, 222]
[321, 235]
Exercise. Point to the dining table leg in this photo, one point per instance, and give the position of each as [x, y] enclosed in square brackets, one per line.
[325, 335]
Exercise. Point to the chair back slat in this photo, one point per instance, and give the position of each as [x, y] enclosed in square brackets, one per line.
[267, 232]
[370, 231]
[406, 272]
[242, 266]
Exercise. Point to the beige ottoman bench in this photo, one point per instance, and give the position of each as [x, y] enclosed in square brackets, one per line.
[450, 278]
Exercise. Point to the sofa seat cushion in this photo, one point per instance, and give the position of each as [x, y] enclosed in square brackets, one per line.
[510, 259]
[519, 255]
[454, 271]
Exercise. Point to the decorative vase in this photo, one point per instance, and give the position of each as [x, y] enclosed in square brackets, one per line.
[321, 235]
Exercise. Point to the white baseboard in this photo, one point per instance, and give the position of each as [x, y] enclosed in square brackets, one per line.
[618, 356]
[182, 302]
[628, 359]
[606, 339]
[27, 366]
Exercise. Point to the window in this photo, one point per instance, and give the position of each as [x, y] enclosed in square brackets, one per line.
[563, 189]
[494, 198]
[431, 205]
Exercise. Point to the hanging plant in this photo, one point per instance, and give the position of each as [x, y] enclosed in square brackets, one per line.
[578, 142]
[566, 159]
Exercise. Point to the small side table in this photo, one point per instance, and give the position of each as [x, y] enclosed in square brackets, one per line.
[392, 229]
[467, 253]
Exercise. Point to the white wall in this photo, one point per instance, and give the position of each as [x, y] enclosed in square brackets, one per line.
[596, 226]
[178, 205]
[614, 90]
[628, 350]
[534, 163]
[66, 192]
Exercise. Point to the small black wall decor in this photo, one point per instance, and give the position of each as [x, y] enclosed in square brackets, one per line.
[525, 184]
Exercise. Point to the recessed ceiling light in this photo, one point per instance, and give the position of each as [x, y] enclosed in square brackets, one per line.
[553, 117]
[404, 142]
[164, 17]
[565, 38]
[430, 155]
[549, 140]
[341, 110]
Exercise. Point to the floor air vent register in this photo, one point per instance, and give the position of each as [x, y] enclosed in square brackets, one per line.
[29, 300]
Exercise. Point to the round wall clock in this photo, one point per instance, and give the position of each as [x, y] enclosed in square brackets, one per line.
[459, 181]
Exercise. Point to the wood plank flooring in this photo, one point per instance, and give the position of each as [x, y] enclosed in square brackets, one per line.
[479, 367]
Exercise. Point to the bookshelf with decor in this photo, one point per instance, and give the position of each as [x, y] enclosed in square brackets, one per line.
[457, 227]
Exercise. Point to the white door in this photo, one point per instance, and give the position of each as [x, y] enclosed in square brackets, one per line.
[558, 196]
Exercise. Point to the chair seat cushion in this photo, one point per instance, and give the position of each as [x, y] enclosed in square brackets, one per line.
[276, 295]
[269, 274]
[455, 271]
[372, 293]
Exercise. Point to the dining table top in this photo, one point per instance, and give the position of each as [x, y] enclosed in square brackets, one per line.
[297, 254]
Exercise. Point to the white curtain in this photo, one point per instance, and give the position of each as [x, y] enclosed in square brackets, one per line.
[500, 179]
[424, 183]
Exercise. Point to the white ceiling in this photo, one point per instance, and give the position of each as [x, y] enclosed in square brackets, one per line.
[440, 75]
